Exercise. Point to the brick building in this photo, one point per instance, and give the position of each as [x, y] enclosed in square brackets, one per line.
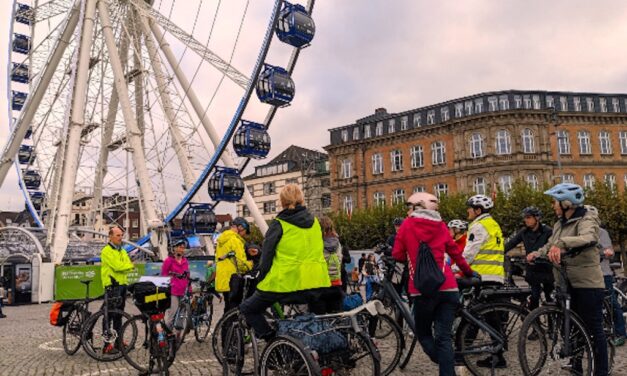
[479, 143]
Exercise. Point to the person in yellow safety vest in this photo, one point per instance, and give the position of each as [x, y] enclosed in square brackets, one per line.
[485, 253]
[293, 267]
[114, 268]
[231, 258]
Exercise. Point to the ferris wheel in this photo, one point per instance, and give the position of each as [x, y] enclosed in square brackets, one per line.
[142, 105]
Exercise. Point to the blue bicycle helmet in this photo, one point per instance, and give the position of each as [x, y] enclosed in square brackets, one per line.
[567, 192]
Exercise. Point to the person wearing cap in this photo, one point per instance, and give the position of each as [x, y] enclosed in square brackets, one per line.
[434, 315]
[534, 235]
[177, 268]
[292, 263]
[574, 244]
[231, 257]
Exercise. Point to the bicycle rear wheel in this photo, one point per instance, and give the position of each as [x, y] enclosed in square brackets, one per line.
[102, 344]
[220, 331]
[541, 344]
[478, 346]
[203, 317]
[360, 358]
[137, 348]
[406, 356]
[233, 360]
[287, 356]
[72, 330]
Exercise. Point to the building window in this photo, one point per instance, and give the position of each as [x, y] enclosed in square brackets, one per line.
[527, 101]
[326, 200]
[347, 204]
[504, 102]
[291, 181]
[355, 133]
[379, 198]
[479, 186]
[391, 128]
[430, 117]
[606, 142]
[536, 102]
[459, 110]
[404, 122]
[378, 131]
[344, 135]
[269, 207]
[398, 196]
[590, 104]
[468, 107]
[615, 105]
[377, 164]
[517, 101]
[550, 102]
[417, 120]
[136, 221]
[503, 142]
[603, 104]
[588, 181]
[268, 188]
[584, 142]
[251, 189]
[563, 142]
[505, 183]
[568, 178]
[610, 181]
[417, 156]
[476, 146]
[245, 211]
[577, 103]
[493, 104]
[478, 106]
[440, 189]
[623, 142]
[367, 131]
[528, 141]
[532, 181]
[325, 182]
[563, 103]
[438, 153]
[347, 169]
[421, 188]
[444, 113]
[396, 157]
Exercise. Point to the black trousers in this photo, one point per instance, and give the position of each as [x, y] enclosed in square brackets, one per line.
[116, 297]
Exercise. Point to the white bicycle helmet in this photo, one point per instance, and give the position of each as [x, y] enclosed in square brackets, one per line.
[458, 224]
[480, 201]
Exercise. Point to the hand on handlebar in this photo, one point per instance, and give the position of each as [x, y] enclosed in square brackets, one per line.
[555, 254]
[183, 275]
[228, 255]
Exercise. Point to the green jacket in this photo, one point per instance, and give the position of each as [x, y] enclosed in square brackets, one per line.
[115, 264]
[580, 233]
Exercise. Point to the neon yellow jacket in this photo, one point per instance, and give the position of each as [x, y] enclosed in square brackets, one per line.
[115, 264]
[491, 256]
[229, 241]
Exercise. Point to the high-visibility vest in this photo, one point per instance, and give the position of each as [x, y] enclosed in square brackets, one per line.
[299, 262]
[489, 261]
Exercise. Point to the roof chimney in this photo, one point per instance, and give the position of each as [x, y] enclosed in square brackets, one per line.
[380, 110]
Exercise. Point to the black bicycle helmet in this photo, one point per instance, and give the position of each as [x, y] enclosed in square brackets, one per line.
[532, 211]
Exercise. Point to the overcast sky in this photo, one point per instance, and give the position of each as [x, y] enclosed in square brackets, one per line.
[406, 54]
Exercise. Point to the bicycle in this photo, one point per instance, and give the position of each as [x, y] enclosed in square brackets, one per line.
[202, 312]
[76, 318]
[154, 348]
[563, 341]
[99, 338]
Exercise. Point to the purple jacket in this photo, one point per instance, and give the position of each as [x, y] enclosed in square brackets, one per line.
[177, 285]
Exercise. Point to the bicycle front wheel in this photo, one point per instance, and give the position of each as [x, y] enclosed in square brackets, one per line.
[218, 339]
[542, 344]
[203, 318]
[287, 356]
[136, 337]
[388, 338]
[100, 337]
[72, 330]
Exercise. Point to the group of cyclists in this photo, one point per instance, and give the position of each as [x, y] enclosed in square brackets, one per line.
[302, 260]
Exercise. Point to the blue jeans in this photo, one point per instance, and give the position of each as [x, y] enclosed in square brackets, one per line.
[437, 314]
[619, 320]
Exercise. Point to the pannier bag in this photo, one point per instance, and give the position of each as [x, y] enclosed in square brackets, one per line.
[150, 298]
[60, 312]
[317, 334]
[352, 301]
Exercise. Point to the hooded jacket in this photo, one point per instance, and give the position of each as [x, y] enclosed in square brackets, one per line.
[229, 241]
[427, 226]
[579, 236]
[333, 254]
[177, 285]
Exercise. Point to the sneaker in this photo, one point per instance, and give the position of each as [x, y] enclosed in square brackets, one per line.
[487, 363]
[619, 341]
[109, 349]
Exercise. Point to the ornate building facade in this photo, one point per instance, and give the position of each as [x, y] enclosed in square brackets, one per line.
[480, 143]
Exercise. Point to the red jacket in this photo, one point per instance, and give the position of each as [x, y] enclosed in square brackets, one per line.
[426, 226]
[461, 242]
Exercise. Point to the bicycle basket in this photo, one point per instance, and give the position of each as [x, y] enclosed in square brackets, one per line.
[149, 298]
[321, 335]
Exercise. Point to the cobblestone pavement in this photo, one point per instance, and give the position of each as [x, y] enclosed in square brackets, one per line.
[30, 346]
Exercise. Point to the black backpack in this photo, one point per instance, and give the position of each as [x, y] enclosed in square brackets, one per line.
[428, 277]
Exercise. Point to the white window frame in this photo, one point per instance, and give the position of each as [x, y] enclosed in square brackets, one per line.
[398, 196]
[563, 142]
[622, 136]
[479, 185]
[379, 198]
[528, 141]
[563, 104]
[367, 131]
[444, 114]
[550, 101]
[505, 183]
[430, 117]
[347, 204]
[396, 160]
[568, 178]
[588, 181]
[459, 110]
[378, 130]
[478, 105]
[391, 126]
[532, 181]
[344, 135]
[440, 189]
[536, 101]
[615, 105]
[603, 104]
[503, 142]
[577, 104]
[493, 103]
[438, 153]
[347, 169]
[417, 120]
[356, 134]
[527, 101]
[605, 142]
[468, 108]
[404, 123]
[421, 188]
[517, 101]
[610, 181]
[583, 138]
[590, 104]
[417, 157]
[377, 164]
[477, 149]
